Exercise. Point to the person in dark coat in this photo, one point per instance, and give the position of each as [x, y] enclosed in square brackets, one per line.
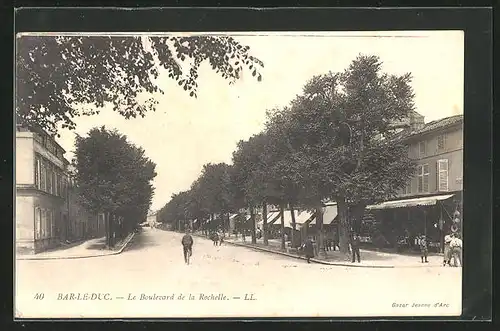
[187, 246]
[355, 243]
[308, 249]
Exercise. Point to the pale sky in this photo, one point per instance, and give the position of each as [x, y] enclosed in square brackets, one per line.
[184, 133]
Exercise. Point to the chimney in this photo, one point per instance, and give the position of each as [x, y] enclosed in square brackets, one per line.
[416, 121]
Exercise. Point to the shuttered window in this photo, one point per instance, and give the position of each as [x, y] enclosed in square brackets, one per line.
[37, 172]
[43, 176]
[423, 178]
[442, 175]
[441, 143]
[38, 223]
[422, 148]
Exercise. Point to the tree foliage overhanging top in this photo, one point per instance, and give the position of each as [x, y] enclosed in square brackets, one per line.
[56, 74]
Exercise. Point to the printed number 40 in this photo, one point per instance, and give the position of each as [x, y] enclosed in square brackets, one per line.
[39, 296]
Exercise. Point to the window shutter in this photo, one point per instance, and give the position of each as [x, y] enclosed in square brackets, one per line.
[443, 175]
[38, 223]
[426, 178]
[37, 173]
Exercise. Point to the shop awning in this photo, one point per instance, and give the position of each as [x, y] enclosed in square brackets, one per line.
[300, 218]
[271, 218]
[426, 201]
[329, 214]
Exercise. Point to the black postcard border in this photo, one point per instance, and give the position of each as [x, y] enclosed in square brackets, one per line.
[476, 22]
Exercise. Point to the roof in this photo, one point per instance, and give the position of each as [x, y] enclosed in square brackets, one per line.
[431, 126]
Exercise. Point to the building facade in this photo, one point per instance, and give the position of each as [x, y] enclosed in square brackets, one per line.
[428, 203]
[47, 213]
[41, 191]
[437, 149]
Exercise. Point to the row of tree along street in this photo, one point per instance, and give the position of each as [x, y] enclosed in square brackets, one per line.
[57, 75]
[334, 142]
[113, 177]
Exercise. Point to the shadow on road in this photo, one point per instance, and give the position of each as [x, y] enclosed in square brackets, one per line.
[140, 241]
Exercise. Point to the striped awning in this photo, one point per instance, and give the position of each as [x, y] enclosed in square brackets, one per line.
[329, 214]
[426, 201]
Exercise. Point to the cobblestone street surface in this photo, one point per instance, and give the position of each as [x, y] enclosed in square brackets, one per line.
[152, 274]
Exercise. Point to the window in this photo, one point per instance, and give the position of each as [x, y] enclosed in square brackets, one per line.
[442, 175]
[49, 178]
[52, 224]
[56, 183]
[43, 223]
[38, 223]
[422, 148]
[37, 172]
[43, 176]
[441, 143]
[54, 179]
[423, 178]
[407, 189]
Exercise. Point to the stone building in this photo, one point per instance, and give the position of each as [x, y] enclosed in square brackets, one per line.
[430, 199]
[47, 213]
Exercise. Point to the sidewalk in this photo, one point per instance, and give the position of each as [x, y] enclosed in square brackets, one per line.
[90, 248]
[369, 259]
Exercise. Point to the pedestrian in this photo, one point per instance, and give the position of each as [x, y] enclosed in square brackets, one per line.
[221, 238]
[456, 250]
[422, 242]
[187, 246]
[308, 249]
[355, 243]
[447, 250]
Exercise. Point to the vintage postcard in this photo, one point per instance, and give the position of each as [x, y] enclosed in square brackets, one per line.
[249, 174]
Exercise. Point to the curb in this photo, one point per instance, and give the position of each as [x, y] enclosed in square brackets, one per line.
[312, 260]
[301, 257]
[127, 241]
[337, 264]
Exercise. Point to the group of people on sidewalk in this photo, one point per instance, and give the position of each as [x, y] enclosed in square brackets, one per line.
[217, 237]
[452, 250]
[354, 247]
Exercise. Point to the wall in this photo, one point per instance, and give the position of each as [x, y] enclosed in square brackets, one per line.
[25, 174]
[25, 223]
[453, 152]
[55, 205]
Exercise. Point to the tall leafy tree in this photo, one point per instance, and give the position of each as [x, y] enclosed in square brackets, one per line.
[113, 176]
[57, 75]
[341, 129]
[251, 179]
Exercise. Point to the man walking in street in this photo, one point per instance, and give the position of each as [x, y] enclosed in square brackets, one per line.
[187, 245]
[355, 243]
[456, 250]
[308, 249]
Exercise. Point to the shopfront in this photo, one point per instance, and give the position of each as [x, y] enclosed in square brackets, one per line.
[397, 224]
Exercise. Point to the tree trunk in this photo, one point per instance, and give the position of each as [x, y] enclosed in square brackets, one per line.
[294, 225]
[282, 217]
[264, 223]
[252, 223]
[112, 231]
[319, 224]
[344, 225]
[108, 229]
